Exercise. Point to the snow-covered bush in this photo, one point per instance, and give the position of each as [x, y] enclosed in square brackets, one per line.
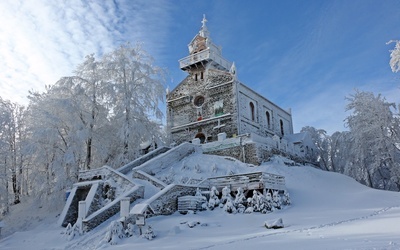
[130, 230]
[226, 195]
[115, 231]
[276, 200]
[240, 199]
[214, 200]
[259, 202]
[286, 198]
[149, 234]
[229, 207]
[241, 208]
[249, 210]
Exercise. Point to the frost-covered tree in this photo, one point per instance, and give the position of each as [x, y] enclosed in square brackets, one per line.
[63, 125]
[138, 89]
[90, 76]
[53, 141]
[321, 141]
[374, 131]
[12, 134]
[395, 56]
[340, 152]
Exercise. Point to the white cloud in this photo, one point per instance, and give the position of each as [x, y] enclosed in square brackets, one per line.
[41, 41]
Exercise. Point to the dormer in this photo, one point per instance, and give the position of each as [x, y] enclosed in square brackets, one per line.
[204, 53]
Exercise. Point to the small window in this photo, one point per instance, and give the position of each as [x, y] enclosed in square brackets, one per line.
[201, 75]
[282, 131]
[195, 77]
[268, 119]
[252, 111]
[219, 108]
[198, 101]
[201, 136]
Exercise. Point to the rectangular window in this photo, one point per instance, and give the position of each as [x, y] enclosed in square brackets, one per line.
[219, 108]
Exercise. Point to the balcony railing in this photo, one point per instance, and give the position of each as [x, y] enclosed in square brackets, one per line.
[205, 55]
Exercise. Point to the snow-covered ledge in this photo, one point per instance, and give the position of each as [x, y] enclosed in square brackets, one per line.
[201, 121]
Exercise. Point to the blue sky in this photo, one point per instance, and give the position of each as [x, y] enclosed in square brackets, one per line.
[303, 55]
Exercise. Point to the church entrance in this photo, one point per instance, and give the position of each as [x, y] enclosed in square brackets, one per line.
[201, 136]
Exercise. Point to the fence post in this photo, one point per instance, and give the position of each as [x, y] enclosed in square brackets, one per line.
[124, 208]
[81, 215]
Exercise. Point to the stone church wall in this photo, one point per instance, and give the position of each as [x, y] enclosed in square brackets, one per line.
[187, 119]
[257, 122]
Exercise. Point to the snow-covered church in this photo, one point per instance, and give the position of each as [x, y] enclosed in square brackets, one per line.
[219, 115]
[211, 101]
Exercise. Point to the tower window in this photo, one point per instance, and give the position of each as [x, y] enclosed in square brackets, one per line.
[195, 77]
[252, 111]
[282, 131]
[201, 75]
[268, 119]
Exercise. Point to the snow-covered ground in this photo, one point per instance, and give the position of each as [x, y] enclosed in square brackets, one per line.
[328, 211]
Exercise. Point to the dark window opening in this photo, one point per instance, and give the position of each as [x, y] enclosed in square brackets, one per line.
[201, 136]
[195, 77]
[268, 119]
[201, 75]
[282, 131]
[252, 111]
[198, 101]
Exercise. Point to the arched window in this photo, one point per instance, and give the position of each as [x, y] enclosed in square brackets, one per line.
[201, 136]
[282, 131]
[252, 111]
[268, 119]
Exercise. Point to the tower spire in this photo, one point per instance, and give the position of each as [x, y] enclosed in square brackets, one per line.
[204, 31]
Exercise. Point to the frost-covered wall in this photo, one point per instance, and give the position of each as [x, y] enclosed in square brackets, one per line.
[261, 116]
[255, 149]
[166, 201]
[218, 103]
[111, 208]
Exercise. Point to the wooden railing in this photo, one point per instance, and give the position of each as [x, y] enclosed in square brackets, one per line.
[247, 181]
[204, 55]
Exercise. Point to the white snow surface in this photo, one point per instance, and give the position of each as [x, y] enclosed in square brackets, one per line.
[328, 211]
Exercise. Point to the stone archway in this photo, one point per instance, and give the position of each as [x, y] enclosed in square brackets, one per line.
[201, 136]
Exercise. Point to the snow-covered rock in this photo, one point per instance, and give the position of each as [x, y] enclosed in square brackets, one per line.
[275, 224]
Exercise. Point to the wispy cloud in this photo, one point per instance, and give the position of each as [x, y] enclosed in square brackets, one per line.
[41, 41]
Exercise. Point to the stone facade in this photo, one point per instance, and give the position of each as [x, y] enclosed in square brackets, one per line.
[211, 100]
[167, 203]
[203, 108]
[111, 209]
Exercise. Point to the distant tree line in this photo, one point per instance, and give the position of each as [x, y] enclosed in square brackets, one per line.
[98, 116]
[370, 151]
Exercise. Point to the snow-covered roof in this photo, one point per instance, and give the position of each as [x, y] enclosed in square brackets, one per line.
[145, 144]
[139, 208]
[296, 138]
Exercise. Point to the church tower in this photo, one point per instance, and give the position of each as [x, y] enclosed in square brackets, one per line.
[196, 108]
[211, 102]
[203, 53]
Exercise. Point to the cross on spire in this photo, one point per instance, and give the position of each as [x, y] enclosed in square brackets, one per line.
[204, 31]
[204, 21]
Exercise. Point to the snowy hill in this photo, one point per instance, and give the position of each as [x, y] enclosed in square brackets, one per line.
[328, 211]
